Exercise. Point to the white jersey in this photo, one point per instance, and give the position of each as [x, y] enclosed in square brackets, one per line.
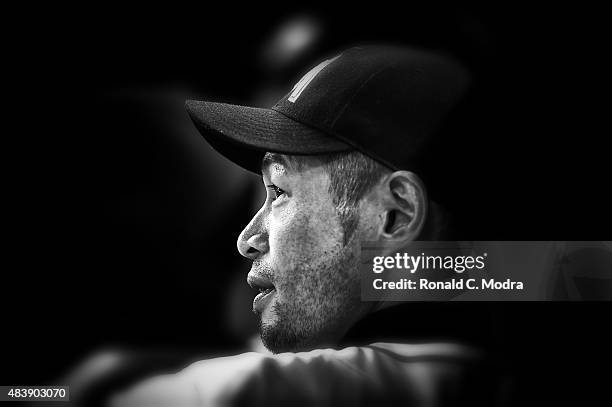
[379, 374]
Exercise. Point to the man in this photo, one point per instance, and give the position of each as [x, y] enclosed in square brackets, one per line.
[343, 157]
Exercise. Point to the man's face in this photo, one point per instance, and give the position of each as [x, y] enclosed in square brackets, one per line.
[308, 277]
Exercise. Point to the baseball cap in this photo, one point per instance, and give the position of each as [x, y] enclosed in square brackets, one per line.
[388, 102]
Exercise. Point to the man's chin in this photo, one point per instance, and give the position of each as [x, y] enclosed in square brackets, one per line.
[277, 335]
[277, 341]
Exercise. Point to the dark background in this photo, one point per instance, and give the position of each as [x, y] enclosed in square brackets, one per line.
[121, 222]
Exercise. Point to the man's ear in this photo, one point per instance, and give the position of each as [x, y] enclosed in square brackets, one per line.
[404, 200]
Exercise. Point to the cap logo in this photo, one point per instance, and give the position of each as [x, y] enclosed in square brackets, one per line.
[306, 79]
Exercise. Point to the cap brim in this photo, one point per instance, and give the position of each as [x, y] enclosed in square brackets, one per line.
[244, 134]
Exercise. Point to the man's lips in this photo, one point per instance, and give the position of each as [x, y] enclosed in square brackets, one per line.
[258, 281]
[265, 287]
[262, 299]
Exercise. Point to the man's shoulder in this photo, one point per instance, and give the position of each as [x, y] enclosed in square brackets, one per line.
[432, 351]
[379, 371]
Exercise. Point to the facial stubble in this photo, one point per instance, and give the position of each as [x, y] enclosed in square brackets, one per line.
[318, 302]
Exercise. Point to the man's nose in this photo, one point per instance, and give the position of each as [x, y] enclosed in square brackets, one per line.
[252, 242]
[253, 247]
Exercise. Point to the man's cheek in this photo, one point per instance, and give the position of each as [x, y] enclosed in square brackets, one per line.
[289, 239]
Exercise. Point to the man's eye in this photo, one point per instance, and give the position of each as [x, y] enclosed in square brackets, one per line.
[277, 191]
